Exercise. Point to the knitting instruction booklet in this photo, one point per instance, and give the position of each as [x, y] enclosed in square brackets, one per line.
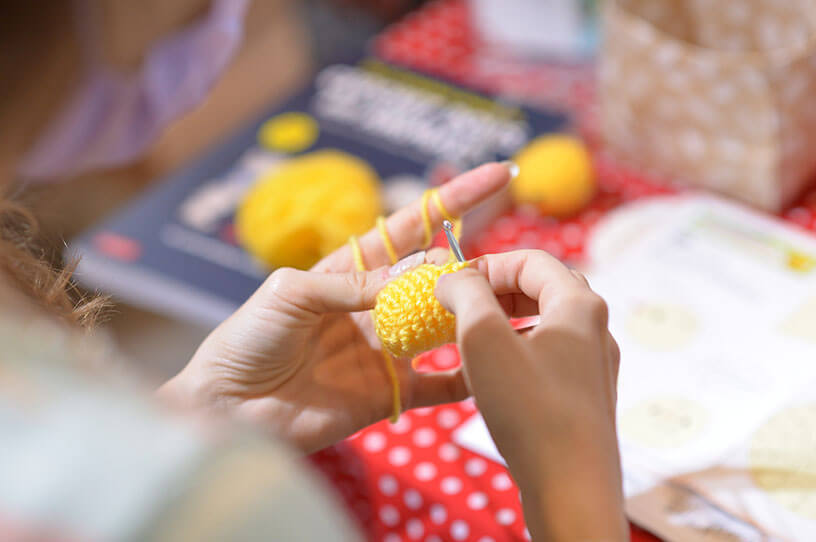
[714, 308]
[174, 249]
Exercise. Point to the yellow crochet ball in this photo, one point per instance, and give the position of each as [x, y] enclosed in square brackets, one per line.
[408, 318]
[555, 174]
[308, 207]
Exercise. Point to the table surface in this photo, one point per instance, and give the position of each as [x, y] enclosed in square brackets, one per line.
[410, 481]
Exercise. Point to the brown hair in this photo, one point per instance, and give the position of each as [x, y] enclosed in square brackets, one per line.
[27, 265]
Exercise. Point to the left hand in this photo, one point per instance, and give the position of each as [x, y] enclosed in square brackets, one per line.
[300, 359]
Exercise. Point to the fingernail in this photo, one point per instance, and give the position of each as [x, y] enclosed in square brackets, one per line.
[407, 263]
[512, 167]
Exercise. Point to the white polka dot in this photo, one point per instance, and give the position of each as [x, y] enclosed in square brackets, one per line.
[451, 485]
[412, 499]
[389, 515]
[374, 442]
[388, 485]
[527, 533]
[502, 482]
[448, 452]
[447, 418]
[475, 466]
[438, 514]
[459, 530]
[414, 528]
[424, 411]
[392, 537]
[425, 471]
[477, 501]
[424, 437]
[505, 516]
[487, 539]
[433, 538]
[399, 456]
[403, 425]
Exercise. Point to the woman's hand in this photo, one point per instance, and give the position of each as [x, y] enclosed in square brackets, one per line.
[548, 396]
[300, 359]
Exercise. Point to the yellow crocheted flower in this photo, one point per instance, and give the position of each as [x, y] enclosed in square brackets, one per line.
[308, 207]
[408, 318]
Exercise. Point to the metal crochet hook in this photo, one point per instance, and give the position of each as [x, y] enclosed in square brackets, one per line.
[452, 242]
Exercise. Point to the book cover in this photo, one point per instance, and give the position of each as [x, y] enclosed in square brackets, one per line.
[173, 250]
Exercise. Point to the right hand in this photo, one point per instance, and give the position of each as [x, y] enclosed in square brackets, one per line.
[548, 396]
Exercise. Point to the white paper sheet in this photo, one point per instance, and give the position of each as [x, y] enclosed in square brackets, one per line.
[714, 308]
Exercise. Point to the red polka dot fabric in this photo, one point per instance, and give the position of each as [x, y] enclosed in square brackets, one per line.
[410, 481]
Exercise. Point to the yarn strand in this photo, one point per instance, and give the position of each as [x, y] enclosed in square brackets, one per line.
[359, 263]
[386, 239]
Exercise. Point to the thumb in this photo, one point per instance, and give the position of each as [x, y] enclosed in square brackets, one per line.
[322, 293]
[468, 295]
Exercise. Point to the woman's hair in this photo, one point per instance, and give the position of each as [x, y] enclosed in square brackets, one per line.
[26, 265]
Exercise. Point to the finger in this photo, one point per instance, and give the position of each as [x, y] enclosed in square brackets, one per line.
[614, 355]
[580, 276]
[431, 389]
[479, 315]
[518, 305]
[405, 227]
[321, 293]
[437, 256]
[534, 273]
[407, 263]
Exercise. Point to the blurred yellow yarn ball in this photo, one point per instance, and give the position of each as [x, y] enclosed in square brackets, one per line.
[308, 207]
[289, 132]
[555, 174]
[408, 318]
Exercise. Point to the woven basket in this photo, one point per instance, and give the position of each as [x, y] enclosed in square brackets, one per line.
[715, 94]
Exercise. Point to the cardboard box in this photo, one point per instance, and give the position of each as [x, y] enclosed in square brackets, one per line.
[718, 95]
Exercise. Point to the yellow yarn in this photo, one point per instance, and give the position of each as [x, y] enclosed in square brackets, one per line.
[308, 207]
[555, 174]
[440, 324]
[289, 132]
[408, 318]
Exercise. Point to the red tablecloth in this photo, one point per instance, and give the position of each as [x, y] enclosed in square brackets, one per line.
[409, 481]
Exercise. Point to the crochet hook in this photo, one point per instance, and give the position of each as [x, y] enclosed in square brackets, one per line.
[452, 242]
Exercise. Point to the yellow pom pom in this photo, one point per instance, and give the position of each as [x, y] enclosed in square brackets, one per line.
[555, 173]
[289, 132]
[308, 207]
[408, 318]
